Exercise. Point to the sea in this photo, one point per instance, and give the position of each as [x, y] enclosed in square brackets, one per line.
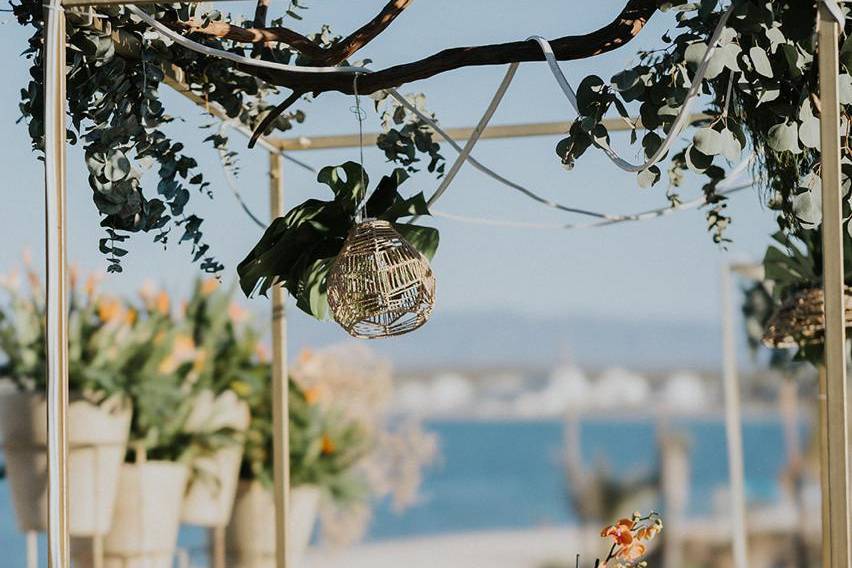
[509, 474]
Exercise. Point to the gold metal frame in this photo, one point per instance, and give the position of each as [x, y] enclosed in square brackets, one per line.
[837, 462]
[56, 268]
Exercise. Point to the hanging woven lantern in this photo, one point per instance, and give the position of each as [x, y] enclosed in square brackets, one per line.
[380, 285]
[800, 319]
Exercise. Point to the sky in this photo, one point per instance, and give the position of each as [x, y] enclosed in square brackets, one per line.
[666, 269]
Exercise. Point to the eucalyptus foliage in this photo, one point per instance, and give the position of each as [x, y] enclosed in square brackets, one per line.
[760, 89]
[117, 114]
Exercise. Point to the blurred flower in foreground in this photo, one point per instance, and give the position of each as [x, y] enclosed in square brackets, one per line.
[628, 540]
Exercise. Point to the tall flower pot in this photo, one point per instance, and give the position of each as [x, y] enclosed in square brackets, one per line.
[97, 440]
[147, 515]
[250, 537]
[213, 486]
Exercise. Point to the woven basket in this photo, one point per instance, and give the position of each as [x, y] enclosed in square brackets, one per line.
[800, 320]
[380, 285]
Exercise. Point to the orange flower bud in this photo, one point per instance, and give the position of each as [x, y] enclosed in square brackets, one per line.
[328, 445]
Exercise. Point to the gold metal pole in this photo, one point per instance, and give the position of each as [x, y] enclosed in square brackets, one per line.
[733, 425]
[216, 536]
[833, 287]
[823, 470]
[497, 131]
[32, 549]
[58, 543]
[280, 397]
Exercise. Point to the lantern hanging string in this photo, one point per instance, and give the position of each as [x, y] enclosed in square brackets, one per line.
[359, 112]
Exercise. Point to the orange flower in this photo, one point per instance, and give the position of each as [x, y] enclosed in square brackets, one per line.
[261, 352]
[91, 285]
[631, 552]
[305, 356]
[237, 313]
[109, 309]
[73, 276]
[162, 302]
[650, 531]
[312, 395]
[200, 360]
[184, 347]
[208, 286]
[130, 316]
[328, 445]
[168, 365]
[621, 532]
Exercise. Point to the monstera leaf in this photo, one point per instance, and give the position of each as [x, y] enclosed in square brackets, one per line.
[298, 249]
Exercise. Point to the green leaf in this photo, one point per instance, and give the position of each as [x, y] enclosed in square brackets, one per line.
[731, 147]
[386, 193]
[845, 81]
[651, 142]
[312, 297]
[708, 141]
[760, 61]
[784, 137]
[424, 239]
[118, 167]
[649, 177]
[809, 127]
[697, 160]
[350, 187]
[588, 92]
[412, 206]
[807, 204]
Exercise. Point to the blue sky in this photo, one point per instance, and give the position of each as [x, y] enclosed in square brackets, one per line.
[667, 268]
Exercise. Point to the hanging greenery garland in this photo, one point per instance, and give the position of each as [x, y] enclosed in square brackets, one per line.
[116, 71]
[760, 92]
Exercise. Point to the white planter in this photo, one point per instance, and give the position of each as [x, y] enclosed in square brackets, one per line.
[97, 440]
[250, 537]
[147, 516]
[213, 487]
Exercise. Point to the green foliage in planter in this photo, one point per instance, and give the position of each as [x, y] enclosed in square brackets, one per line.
[223, 332]
[297, 250]
[164, 373]
[324, 446]
[99, 329]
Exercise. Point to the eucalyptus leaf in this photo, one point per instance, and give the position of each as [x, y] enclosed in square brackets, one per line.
[649, 177]
[708, 141]
[760, 61]
[784, 137]
[731, 147]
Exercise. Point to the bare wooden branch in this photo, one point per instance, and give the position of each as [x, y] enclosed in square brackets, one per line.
[347, 47]
[239, 34]
[318, 55]
[260, 12]
[617, 33]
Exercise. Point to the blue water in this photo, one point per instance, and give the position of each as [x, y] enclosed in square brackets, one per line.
[503, 475]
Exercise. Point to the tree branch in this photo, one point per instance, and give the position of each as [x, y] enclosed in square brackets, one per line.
[319, 56]
[239, 34]
[617, 33]
[347, 47]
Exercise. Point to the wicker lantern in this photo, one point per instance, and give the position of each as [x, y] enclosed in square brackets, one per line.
[800, 319]
[380, 285]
